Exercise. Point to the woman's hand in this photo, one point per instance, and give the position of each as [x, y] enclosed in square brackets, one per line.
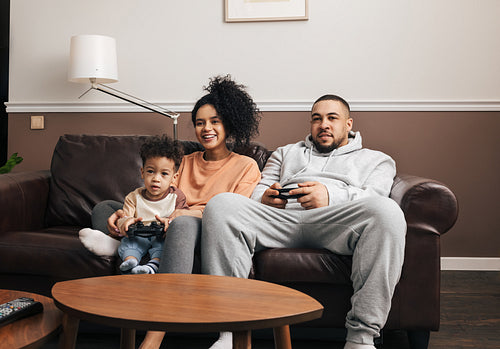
[112, 223]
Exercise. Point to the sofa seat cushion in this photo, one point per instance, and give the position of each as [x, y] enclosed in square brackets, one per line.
[285, 265]
[56, 253]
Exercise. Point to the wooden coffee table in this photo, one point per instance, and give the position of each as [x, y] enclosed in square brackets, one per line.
[183, 303]
[32, 331]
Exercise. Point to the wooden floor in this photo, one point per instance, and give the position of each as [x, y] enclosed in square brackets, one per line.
[470, 311]
[470, 318]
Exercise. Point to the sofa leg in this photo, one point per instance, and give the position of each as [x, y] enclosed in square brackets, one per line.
[419, 339]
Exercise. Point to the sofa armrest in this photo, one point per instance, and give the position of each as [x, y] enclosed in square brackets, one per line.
[24, 200]
[428, 205]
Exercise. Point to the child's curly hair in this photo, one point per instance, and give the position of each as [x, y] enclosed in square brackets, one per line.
[238, 112]
[162, 146]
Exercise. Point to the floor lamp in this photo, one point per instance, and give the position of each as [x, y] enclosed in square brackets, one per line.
[93, 59]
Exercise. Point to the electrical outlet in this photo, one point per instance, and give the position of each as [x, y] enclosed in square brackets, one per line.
[37, 122]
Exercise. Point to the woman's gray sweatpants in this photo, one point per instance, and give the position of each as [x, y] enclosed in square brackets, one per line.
[101, 213]
[372, 230]
[182, 243]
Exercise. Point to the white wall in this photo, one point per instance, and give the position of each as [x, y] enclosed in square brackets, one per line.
[386, 51]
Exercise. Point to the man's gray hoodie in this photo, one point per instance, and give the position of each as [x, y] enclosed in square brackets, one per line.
[349, 172]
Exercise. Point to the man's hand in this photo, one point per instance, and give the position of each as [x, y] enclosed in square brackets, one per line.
[315, 195]
[267, 199]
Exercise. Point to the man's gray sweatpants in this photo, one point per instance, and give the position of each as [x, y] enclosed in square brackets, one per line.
[372, 230]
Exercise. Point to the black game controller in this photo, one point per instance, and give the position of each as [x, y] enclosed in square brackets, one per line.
[139, 229]
[283, 194]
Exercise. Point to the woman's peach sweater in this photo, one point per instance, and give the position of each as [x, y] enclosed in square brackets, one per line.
[200, 180]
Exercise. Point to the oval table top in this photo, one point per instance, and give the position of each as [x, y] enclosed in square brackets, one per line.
[184, 302]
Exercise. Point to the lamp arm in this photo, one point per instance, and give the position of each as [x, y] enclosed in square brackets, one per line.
[135, 100]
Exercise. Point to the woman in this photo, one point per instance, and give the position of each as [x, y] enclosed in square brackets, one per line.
[227, 112]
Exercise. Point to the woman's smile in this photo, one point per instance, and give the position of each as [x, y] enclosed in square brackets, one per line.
[210, 130]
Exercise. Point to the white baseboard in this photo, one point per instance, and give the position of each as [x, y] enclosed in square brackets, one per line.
[470, 263]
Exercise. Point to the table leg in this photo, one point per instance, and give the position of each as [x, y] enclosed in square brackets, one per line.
[242, 340]
[282, 337]
[127, 339]
[69, 332]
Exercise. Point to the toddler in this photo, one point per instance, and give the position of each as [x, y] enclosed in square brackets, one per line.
[161, 158]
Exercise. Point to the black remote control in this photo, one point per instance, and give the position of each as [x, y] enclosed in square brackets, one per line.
[19, 308]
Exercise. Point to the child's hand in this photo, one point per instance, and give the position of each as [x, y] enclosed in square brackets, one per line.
[128, 223]
[163, 220]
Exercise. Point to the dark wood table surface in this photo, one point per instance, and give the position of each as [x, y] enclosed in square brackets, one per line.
[182, 303]
[32, 331]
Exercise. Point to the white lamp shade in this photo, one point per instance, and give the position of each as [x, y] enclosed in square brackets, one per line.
[92, 57]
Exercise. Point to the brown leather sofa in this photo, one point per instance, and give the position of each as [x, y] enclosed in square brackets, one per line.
[41, 213]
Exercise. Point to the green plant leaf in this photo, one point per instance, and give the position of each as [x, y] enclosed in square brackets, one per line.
[11, 162]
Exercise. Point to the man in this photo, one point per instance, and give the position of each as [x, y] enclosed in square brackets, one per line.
[343, 207]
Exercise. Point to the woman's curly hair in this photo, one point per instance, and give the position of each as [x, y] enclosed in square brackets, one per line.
[162, 146]
[238, 112]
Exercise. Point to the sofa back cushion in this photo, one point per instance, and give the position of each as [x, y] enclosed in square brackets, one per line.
[87, 169]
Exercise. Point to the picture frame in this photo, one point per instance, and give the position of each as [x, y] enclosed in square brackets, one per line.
[265, 10]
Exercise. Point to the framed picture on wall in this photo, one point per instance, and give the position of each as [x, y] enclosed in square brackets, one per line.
[266, 10]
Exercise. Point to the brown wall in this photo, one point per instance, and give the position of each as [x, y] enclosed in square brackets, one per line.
[457, 148]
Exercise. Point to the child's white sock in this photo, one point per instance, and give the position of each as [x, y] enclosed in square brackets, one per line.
[351, 345]
[128, 264]
[98, 243]
[225, 341]
[150, 268]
